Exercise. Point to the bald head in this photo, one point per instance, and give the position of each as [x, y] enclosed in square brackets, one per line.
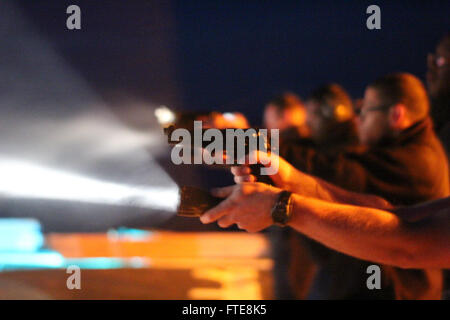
[405, 89]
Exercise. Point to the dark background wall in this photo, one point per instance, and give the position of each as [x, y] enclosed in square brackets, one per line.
[233, 55]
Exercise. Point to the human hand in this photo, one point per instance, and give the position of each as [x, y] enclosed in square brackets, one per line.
[248, 205]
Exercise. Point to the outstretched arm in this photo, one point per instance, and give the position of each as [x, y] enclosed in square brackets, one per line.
[366, 233]
[377, 235]
[292, 179]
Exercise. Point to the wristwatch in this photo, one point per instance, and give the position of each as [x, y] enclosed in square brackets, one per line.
[282, 210]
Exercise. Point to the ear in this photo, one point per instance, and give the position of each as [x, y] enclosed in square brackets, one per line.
[398, 118]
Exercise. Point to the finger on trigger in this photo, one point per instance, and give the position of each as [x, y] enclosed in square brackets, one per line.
[217, 212]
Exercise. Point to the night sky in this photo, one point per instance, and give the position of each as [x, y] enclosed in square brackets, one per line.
[234, 55]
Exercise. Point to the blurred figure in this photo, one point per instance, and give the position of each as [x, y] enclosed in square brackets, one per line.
[392, 104]
[330, 120]
[287, 113]
[438, 81]
[330, 116]
[402, 161]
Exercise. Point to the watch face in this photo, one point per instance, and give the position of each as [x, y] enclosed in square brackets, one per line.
[280, 214]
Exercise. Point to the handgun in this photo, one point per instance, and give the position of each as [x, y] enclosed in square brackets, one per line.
[261, 141]
[194, 202]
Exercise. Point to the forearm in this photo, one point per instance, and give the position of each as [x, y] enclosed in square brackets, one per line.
[296, 181]
[366, 233]
[310, 186]
[329, 192]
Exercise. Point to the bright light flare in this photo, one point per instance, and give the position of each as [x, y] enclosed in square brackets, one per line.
[164, 115]
[25, 180]
[229, 116]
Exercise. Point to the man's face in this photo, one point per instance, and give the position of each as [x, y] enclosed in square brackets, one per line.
[438, 73]
[315, 120]
[373, 125]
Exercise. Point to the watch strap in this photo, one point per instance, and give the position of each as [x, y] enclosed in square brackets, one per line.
[282, 210]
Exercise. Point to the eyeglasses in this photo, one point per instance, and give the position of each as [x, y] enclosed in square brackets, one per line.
[363, 112]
